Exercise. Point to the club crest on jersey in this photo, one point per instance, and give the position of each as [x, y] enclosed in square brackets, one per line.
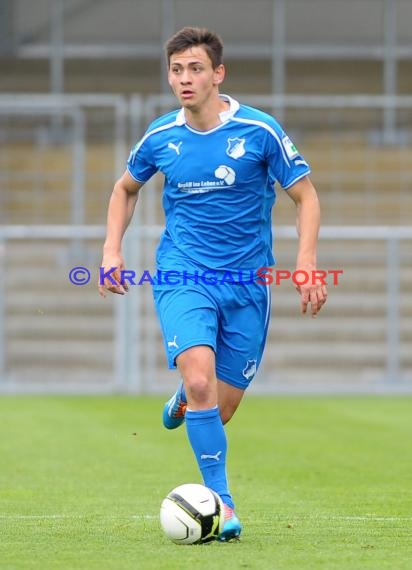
[250, 370]
[235, 147]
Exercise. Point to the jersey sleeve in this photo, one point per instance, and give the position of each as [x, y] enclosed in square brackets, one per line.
[286, 164]
[140, 164]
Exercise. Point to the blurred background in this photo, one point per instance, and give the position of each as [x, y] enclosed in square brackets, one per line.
[79, 82]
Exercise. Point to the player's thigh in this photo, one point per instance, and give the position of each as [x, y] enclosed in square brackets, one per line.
[242, 335]
[188, 318]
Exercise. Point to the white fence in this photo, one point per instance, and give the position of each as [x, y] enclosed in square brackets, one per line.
[58, 337]
[42, 117]
[47, 178]
[55, 336]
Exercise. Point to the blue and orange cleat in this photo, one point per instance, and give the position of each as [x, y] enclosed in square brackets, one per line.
[232, 527]
[175, 409]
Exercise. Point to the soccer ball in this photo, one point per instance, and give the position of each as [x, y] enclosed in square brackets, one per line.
[192, 514]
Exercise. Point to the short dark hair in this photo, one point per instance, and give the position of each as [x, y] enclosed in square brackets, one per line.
[190, 37]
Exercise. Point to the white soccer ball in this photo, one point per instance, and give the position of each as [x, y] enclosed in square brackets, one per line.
[192, 514]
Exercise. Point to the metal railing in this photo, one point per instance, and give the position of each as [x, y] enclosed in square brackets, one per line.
[141, 111]
[131, 117]
[132, 355]
[52, 109]
[132, 350]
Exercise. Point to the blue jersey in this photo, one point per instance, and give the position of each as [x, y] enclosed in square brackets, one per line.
[219, 186]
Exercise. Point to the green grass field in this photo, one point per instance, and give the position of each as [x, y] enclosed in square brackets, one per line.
[320, 482]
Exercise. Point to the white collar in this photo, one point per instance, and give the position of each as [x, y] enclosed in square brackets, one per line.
[223, 116]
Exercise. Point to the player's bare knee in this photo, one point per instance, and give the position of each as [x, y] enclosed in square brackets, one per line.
[199, 389]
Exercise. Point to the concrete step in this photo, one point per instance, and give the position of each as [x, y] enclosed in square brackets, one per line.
[92, 352]
[69, 327]
[334, 352]
[45, 301]
[344, 328]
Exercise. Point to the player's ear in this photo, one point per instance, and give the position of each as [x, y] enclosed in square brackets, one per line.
[219, 74]
[169, 75]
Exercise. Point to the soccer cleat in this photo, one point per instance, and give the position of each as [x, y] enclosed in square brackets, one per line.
[175, 409]
[232, 527]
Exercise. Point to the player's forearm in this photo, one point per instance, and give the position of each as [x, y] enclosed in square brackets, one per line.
[120, 212]
[307, 222]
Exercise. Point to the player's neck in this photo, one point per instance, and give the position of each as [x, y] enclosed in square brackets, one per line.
[206, 117]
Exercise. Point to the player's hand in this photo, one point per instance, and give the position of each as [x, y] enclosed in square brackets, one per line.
[113, 281]
[312, 293]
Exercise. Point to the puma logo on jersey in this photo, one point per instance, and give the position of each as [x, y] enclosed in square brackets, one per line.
[173, 343]
[216, 457]
[175, 147]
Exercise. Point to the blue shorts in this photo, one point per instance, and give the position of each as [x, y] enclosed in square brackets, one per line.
[230, 318]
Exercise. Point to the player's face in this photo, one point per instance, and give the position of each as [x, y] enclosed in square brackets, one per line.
[192, 77]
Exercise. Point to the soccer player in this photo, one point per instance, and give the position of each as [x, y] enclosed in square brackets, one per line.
[220, 160]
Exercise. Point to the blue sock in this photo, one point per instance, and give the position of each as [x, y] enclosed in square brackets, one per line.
[208, 440]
